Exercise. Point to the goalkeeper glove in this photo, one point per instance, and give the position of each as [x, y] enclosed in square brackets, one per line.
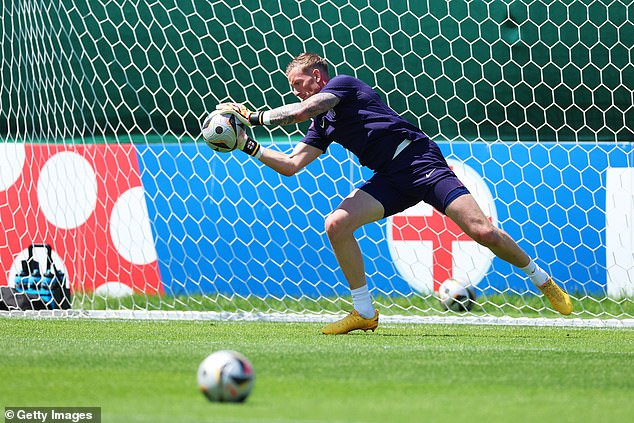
[240, 111]
[247, 144]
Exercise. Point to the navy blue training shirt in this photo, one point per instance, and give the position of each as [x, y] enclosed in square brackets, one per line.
[361, 122]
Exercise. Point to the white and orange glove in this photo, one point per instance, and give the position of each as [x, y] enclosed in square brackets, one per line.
[245, 115]
[247, 144]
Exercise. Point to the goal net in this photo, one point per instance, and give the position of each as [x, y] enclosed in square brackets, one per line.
[101, 156]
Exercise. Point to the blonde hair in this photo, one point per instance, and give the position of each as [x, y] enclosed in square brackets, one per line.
[307, 62]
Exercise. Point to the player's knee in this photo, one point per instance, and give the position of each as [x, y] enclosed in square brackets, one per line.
[486, 235]
[335, 226]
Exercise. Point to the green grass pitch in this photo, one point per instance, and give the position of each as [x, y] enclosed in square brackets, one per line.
[145, 371]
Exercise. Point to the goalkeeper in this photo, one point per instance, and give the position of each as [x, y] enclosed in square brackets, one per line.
[408, 168]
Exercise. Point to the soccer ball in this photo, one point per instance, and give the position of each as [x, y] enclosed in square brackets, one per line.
[456, 296]
[220, 131]
[226, 376]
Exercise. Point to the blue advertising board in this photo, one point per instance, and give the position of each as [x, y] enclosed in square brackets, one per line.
[224, 223]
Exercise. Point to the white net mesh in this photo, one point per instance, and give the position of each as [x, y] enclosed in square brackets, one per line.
[531, 101]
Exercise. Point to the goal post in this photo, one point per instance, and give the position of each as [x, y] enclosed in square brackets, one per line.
[101, 156]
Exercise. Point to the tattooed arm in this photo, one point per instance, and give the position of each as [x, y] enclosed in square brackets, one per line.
[303, 154]
[300, 112]
[284, 115]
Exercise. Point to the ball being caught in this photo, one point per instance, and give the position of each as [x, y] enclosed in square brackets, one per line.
[220, 131]
[226, 376]
[456, 296]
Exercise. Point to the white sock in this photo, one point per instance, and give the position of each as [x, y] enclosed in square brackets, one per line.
[362, 301]
[535, 273]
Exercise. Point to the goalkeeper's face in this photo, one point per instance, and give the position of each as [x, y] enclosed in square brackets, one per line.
[306, 83]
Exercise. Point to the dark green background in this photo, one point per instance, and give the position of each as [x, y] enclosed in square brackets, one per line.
[528, 70]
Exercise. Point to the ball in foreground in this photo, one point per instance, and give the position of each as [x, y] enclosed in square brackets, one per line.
[220, 131]
[456, 296]
[226, 376]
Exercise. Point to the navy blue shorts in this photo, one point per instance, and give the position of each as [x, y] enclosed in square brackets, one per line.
[419, 173]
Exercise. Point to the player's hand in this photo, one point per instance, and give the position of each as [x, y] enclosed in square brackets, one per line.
[247, 144]
[241, 136]
[239, 110]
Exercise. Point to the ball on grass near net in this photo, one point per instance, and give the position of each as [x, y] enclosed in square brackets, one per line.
[220, 131]
[226, 376]
[456, 295]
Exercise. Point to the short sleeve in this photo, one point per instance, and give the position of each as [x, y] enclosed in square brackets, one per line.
[316, 138]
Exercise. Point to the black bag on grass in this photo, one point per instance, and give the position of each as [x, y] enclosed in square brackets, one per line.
[36, 289]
